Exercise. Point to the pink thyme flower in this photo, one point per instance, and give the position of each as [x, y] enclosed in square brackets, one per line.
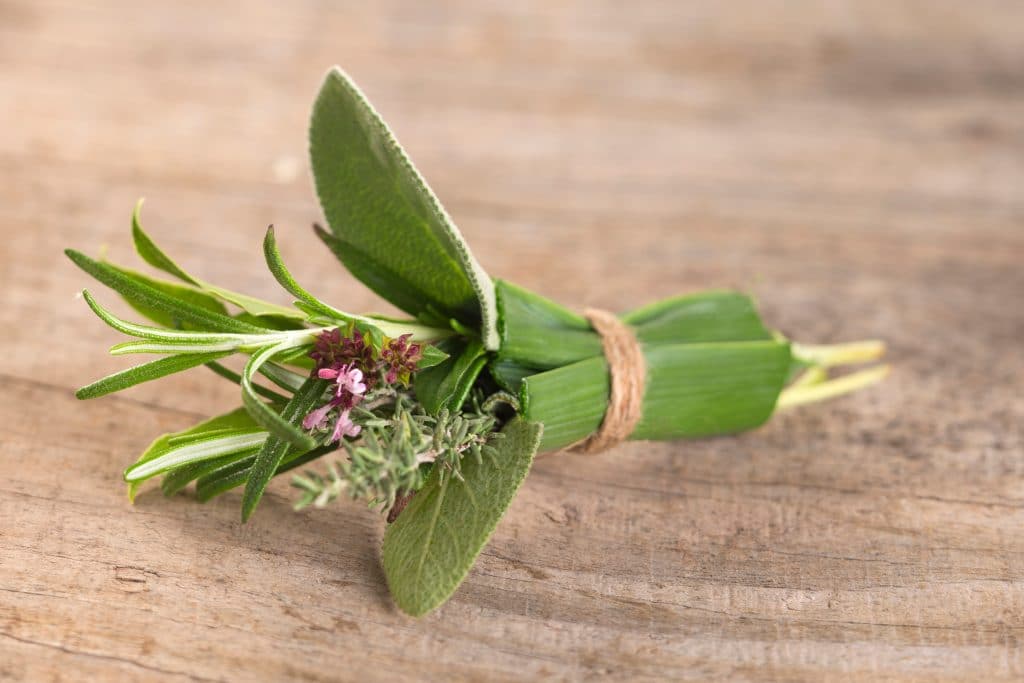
[318, 418]
[345, 427]
[349, 391]
[332, 350]
[348, 379]
[353, 365]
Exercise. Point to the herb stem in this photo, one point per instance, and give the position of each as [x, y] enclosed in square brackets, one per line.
[812, 376]
[802, 393]
[828, 356]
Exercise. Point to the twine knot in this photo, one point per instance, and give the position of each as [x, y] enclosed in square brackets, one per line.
[628, 374]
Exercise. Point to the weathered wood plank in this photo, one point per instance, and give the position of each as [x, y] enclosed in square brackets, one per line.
[856, 165]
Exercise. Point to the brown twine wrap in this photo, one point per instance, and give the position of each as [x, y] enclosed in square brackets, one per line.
[628, 373]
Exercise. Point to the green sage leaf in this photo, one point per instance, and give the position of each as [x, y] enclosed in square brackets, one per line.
[434, 542]
[431, 356]
[395, 236]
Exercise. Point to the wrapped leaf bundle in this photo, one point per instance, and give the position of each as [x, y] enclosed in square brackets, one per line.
[435, 418]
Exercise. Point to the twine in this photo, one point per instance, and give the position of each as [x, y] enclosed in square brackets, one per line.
[628, 374]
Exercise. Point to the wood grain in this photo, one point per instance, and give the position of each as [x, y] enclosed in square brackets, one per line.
[857, 165]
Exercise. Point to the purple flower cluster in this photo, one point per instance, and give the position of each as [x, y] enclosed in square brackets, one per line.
[400, 358]
[349, 390]
[355, 367]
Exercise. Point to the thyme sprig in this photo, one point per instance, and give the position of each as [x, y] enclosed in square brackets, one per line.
[396, 452]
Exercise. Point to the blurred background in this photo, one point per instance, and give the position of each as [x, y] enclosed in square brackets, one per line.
[716, 146]
[875, 126]
[703, 146]
[857, 165]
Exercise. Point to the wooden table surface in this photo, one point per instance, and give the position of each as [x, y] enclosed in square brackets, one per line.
[859, 166]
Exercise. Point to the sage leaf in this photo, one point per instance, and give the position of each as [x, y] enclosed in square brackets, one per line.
[431, 356]
[404, 245]
[433, 544]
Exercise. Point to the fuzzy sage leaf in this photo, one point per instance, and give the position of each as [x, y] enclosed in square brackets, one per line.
[403, 244]
[433, 544]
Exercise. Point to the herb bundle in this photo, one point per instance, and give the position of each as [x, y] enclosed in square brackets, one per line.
[434, 418]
